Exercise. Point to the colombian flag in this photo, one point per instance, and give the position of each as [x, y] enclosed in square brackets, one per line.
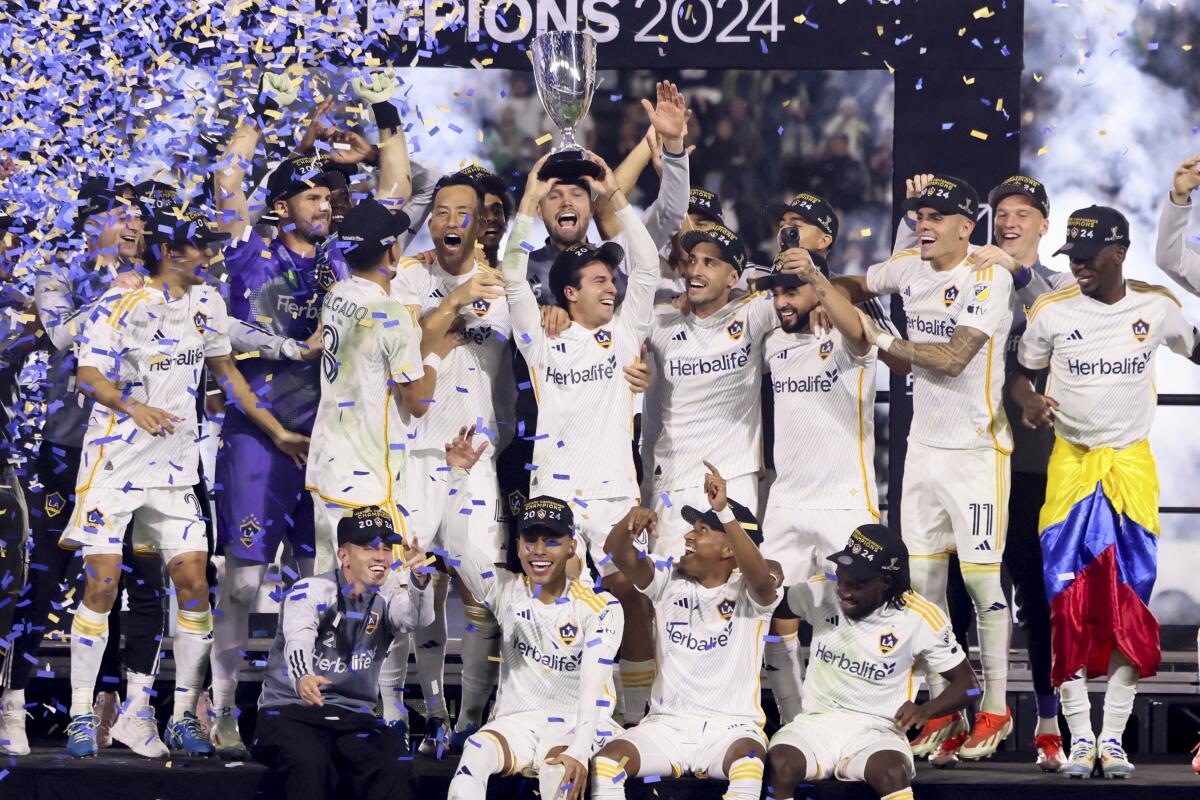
[1099, 535]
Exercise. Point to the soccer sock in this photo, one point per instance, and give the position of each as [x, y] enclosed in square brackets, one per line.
[1077, 708]
[1118, 697]
[785, 674]
[480, 665]
[929, 576]
[550, 777]
[224, 692]
[608, 779]
[139, 688]
[1047, 712]
[231, 628]
[193, 641]
[481, 759]
[89, 635]
[994, 621]
[745, 779]
[637, 678]
[900, 794]
[431, 652]
[13, 699]
[392, 676]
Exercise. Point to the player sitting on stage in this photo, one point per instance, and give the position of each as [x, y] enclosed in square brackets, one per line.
[558, 638]
[869, 633]
[711, 614]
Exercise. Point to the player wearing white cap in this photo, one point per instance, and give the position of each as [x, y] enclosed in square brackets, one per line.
[711, 615]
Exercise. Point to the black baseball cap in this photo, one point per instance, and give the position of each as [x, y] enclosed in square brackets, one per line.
[296, 175]
[156, 195]
[368, 230]
[579, 255]
[872, 550]
[99, 194]
[778, 279]
[174, 226]
[947, 195]
[726, 241]
[548, 515]
[814, 209]
[365, 526]
[492, 183]
[1091, 229]
[706, 204]
[1025, 186]
[744, 516]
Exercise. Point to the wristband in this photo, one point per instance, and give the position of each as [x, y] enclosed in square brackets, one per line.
[726, 515]
[884, 342]
[433, 361]
[1022, 278]
[669, 154]
[387, 116]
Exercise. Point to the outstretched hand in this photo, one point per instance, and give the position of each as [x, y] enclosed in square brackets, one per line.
[460, 452]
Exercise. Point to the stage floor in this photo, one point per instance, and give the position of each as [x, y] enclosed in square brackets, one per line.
[48, 774]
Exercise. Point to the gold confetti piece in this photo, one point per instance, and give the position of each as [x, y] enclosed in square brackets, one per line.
[800, 19]
[979, 135]
[865, 233]
[543, 139]
[241, 356]
[962, 31]
[983, 13]
[879, 30]
[1187, 47]
[1043, 150]
[891, 69]
[1037, 78]
[968, 81]
[1101, 133]
[1000, 104]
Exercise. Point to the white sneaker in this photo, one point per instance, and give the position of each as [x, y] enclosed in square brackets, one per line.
[139, 732]
[1082, 761]
[225, 736]
[106, 708]
[1113, 761]
[13, 741]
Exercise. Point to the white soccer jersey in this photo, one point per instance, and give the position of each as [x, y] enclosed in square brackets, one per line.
[710, 374]
[964, 411]
[358, 439]
[154, 351]
[474, 383]
[709, 647]
[1101, 359]
[583, 447]
[869, 665]
[824, 422]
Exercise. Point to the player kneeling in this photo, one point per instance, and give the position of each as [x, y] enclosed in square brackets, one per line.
[558, 640]
[711, 613]
[869, 633]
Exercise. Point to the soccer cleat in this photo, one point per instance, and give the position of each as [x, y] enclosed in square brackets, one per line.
[226, 737]
[989, 731]
[434, 743]
[106, 709]
[936, 731]
[1082, 762]
[1113, 761]
[81, 736]
[1049, 752]
[946, 755]
[187, 735]
[139, 732]
[400, 725]
[458, 739]
[13, 741]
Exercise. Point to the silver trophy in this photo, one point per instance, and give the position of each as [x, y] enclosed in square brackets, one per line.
[564, 69]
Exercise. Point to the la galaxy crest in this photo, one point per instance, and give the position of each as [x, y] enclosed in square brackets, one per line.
[481, 307]
[54, 504]
[603, 338]
[568, 632]
[95, 518]
[735, 329]
[950, 296]
[1141, 330]
[725, 608]
[826, 349]
[888, 642]
[372, 623]
[249, 530]
[200, 320]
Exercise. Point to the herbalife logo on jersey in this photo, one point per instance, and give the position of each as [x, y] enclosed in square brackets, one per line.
[726, 362]
[938, 328]
[567, 663]
[1134, 365]
[188, 358]
[596, 372]
[870, 670]
[822, 383]
[678, 633]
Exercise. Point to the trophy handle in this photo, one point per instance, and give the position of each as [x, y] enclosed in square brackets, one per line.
[569, 165]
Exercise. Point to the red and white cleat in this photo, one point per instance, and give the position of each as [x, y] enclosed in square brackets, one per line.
[936, 731]
[1050, 757]
[989, 731]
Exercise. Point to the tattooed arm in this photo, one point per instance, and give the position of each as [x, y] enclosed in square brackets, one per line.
[949, 358]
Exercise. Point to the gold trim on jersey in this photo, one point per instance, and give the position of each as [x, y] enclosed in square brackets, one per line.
[1152, 288]
[913, 251]
[580, 591]
[987, 396]
[125, 304]
[862, 450]
[925, 609]
[1048, 298]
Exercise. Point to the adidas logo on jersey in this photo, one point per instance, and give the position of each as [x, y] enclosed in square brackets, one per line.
[560, 347]
[984, 545]
[680, 337]
[1075, 336]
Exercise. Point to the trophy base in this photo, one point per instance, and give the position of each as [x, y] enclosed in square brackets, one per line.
[569, 165]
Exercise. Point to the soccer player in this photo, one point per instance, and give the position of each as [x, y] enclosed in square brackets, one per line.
[585, 406]
[1099, 526]
[141, 357]
[956, 471]
[559, 639]
[711, 613]
[316, 722]
[823, 382]
[870, 632]
[1171, 253]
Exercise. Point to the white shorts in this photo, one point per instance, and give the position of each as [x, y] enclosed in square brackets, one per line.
[676, 746]
[426, 495]
[955, 501]
[594, 523]
[800, 539]
[837, 744]
[328, 514]
[166, 520]
[531, 735]
[672, 528]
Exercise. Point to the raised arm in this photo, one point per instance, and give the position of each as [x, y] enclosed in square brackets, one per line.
[477, 573]
[633, 563]
[394, 181]
[834, 300]
[522, 305]
[762, 584]
[1171, 253]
